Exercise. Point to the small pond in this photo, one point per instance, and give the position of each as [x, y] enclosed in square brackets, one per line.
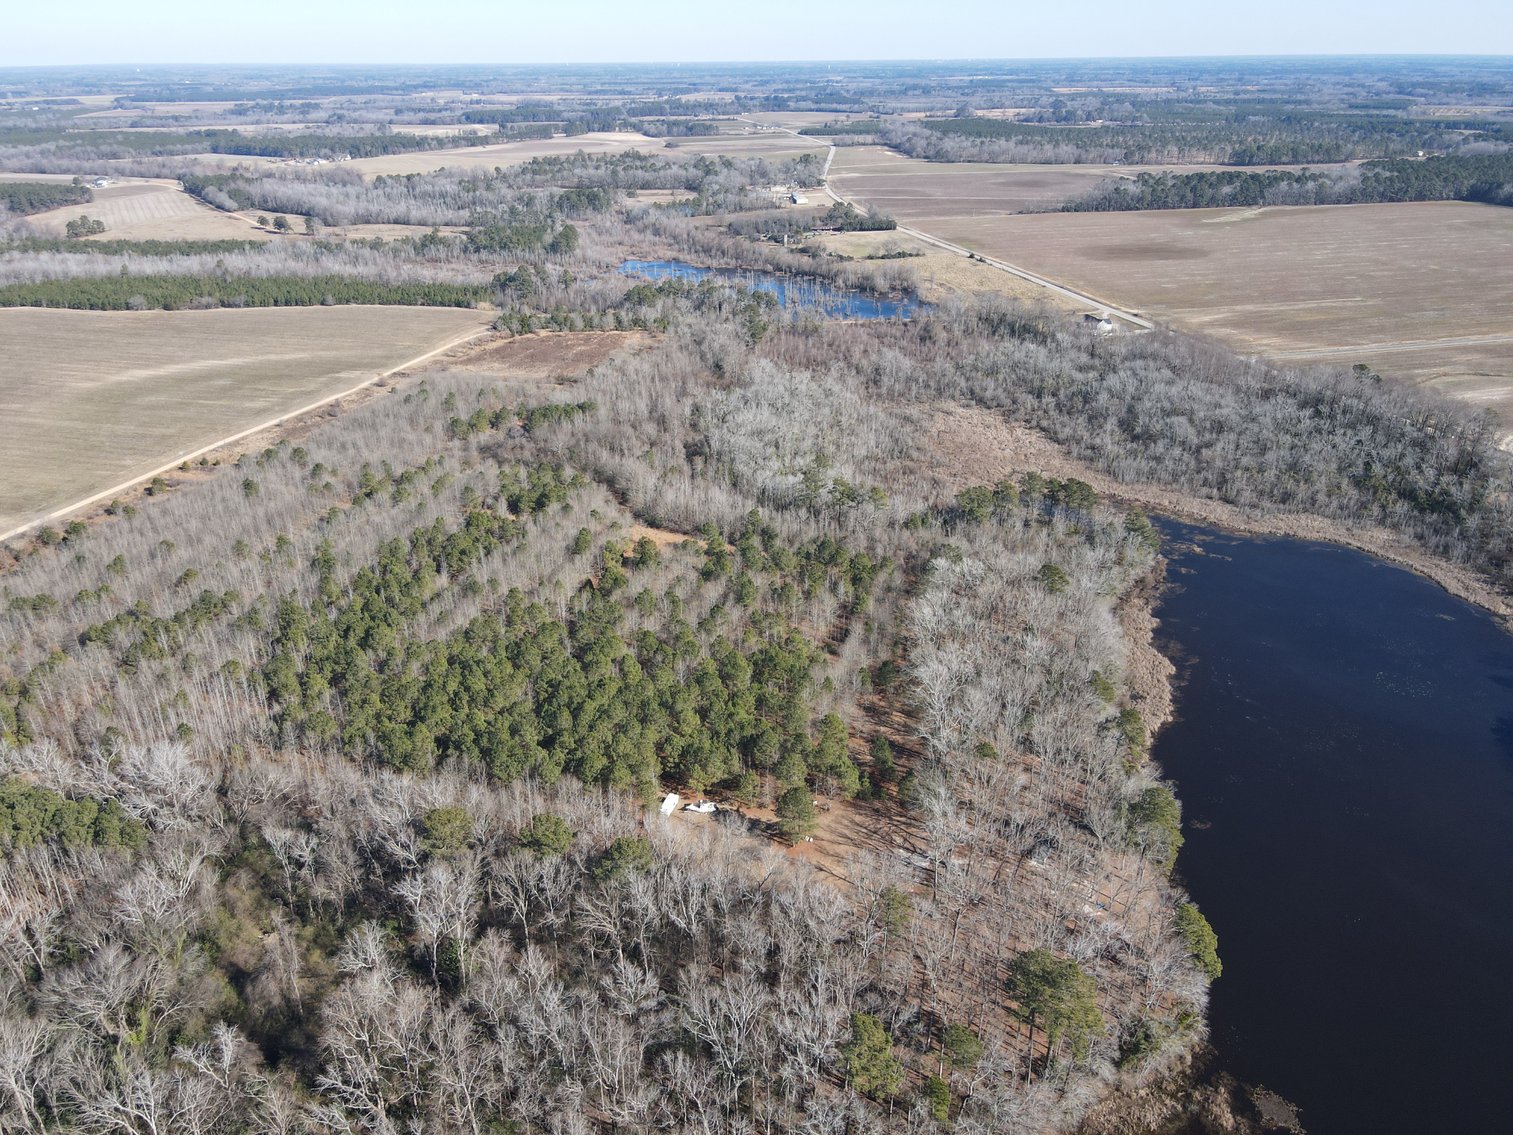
[801, 292]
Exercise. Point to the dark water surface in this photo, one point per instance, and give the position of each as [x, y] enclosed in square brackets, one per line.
[797, 291]
[1344, 755]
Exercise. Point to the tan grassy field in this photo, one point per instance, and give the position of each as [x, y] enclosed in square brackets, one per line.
[916, 191]
[59, 178]
[1421, 292]
[746, 143]
[91, 400]
[142, 209]
[443, 130]
[942, 275]
[919, 192]
[502, 153]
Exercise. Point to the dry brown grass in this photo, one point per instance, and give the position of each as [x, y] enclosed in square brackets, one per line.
[942, 275]
[502, 153]
[548, 356]
[95, 399]
[923, 194]
[144, 209]
[740, 140]
[1420, 292]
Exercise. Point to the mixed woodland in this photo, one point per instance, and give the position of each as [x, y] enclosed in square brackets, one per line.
[330, 771]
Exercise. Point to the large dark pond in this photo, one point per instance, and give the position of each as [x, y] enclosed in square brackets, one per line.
[1344, 754]
[789, 291]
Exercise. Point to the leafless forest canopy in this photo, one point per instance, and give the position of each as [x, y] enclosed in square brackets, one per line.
[328, 773]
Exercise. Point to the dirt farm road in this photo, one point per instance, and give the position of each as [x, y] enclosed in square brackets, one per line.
[115, 490]
[1134, 319]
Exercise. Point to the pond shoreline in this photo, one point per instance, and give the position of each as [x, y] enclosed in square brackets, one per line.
[1343, 681]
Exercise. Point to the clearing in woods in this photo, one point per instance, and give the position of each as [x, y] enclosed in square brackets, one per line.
[143, 209]
[95, 399]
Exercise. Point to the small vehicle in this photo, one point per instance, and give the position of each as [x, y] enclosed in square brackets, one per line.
[703, 807]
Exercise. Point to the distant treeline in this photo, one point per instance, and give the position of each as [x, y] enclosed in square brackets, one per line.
[168, 142]
[130, 247]
[172, 293]
[27, 197]
[1259, 137]
[1486, 178]
[855, 126]
[659, 117]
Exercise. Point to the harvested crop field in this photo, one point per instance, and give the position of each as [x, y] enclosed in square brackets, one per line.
[773, 145]
[92, 400]
[142, 209]
[922, 194]
[501, 153]
[1416, 291]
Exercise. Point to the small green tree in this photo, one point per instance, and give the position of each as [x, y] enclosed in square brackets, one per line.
[547, 835]
[796, 818]
[1202, 942]
[1155, 820]
[1132, 729]
[975, 504]
[626, 854]
[1052, 578]
[897, 910]
[565, 242]
[961, 1046]
[937, 1095]
[446, 831]
[645, 554]
[281, 223]
[1058, 996]
[870, 1064]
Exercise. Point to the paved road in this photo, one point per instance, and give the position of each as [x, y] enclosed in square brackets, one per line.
[1080, 298]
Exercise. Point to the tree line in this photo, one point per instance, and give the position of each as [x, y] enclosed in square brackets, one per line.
[27, 197]
[173, 293]
[1285, 135]
[1486, 178]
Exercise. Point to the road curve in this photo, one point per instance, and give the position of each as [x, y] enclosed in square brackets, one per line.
[1081, 298]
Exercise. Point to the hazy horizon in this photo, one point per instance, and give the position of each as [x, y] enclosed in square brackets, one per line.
[472, 32]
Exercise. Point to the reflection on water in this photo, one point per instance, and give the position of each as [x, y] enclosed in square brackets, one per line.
[796, 291]
[1344, 755]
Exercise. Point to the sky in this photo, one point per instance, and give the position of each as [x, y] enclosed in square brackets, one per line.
[556, 31]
